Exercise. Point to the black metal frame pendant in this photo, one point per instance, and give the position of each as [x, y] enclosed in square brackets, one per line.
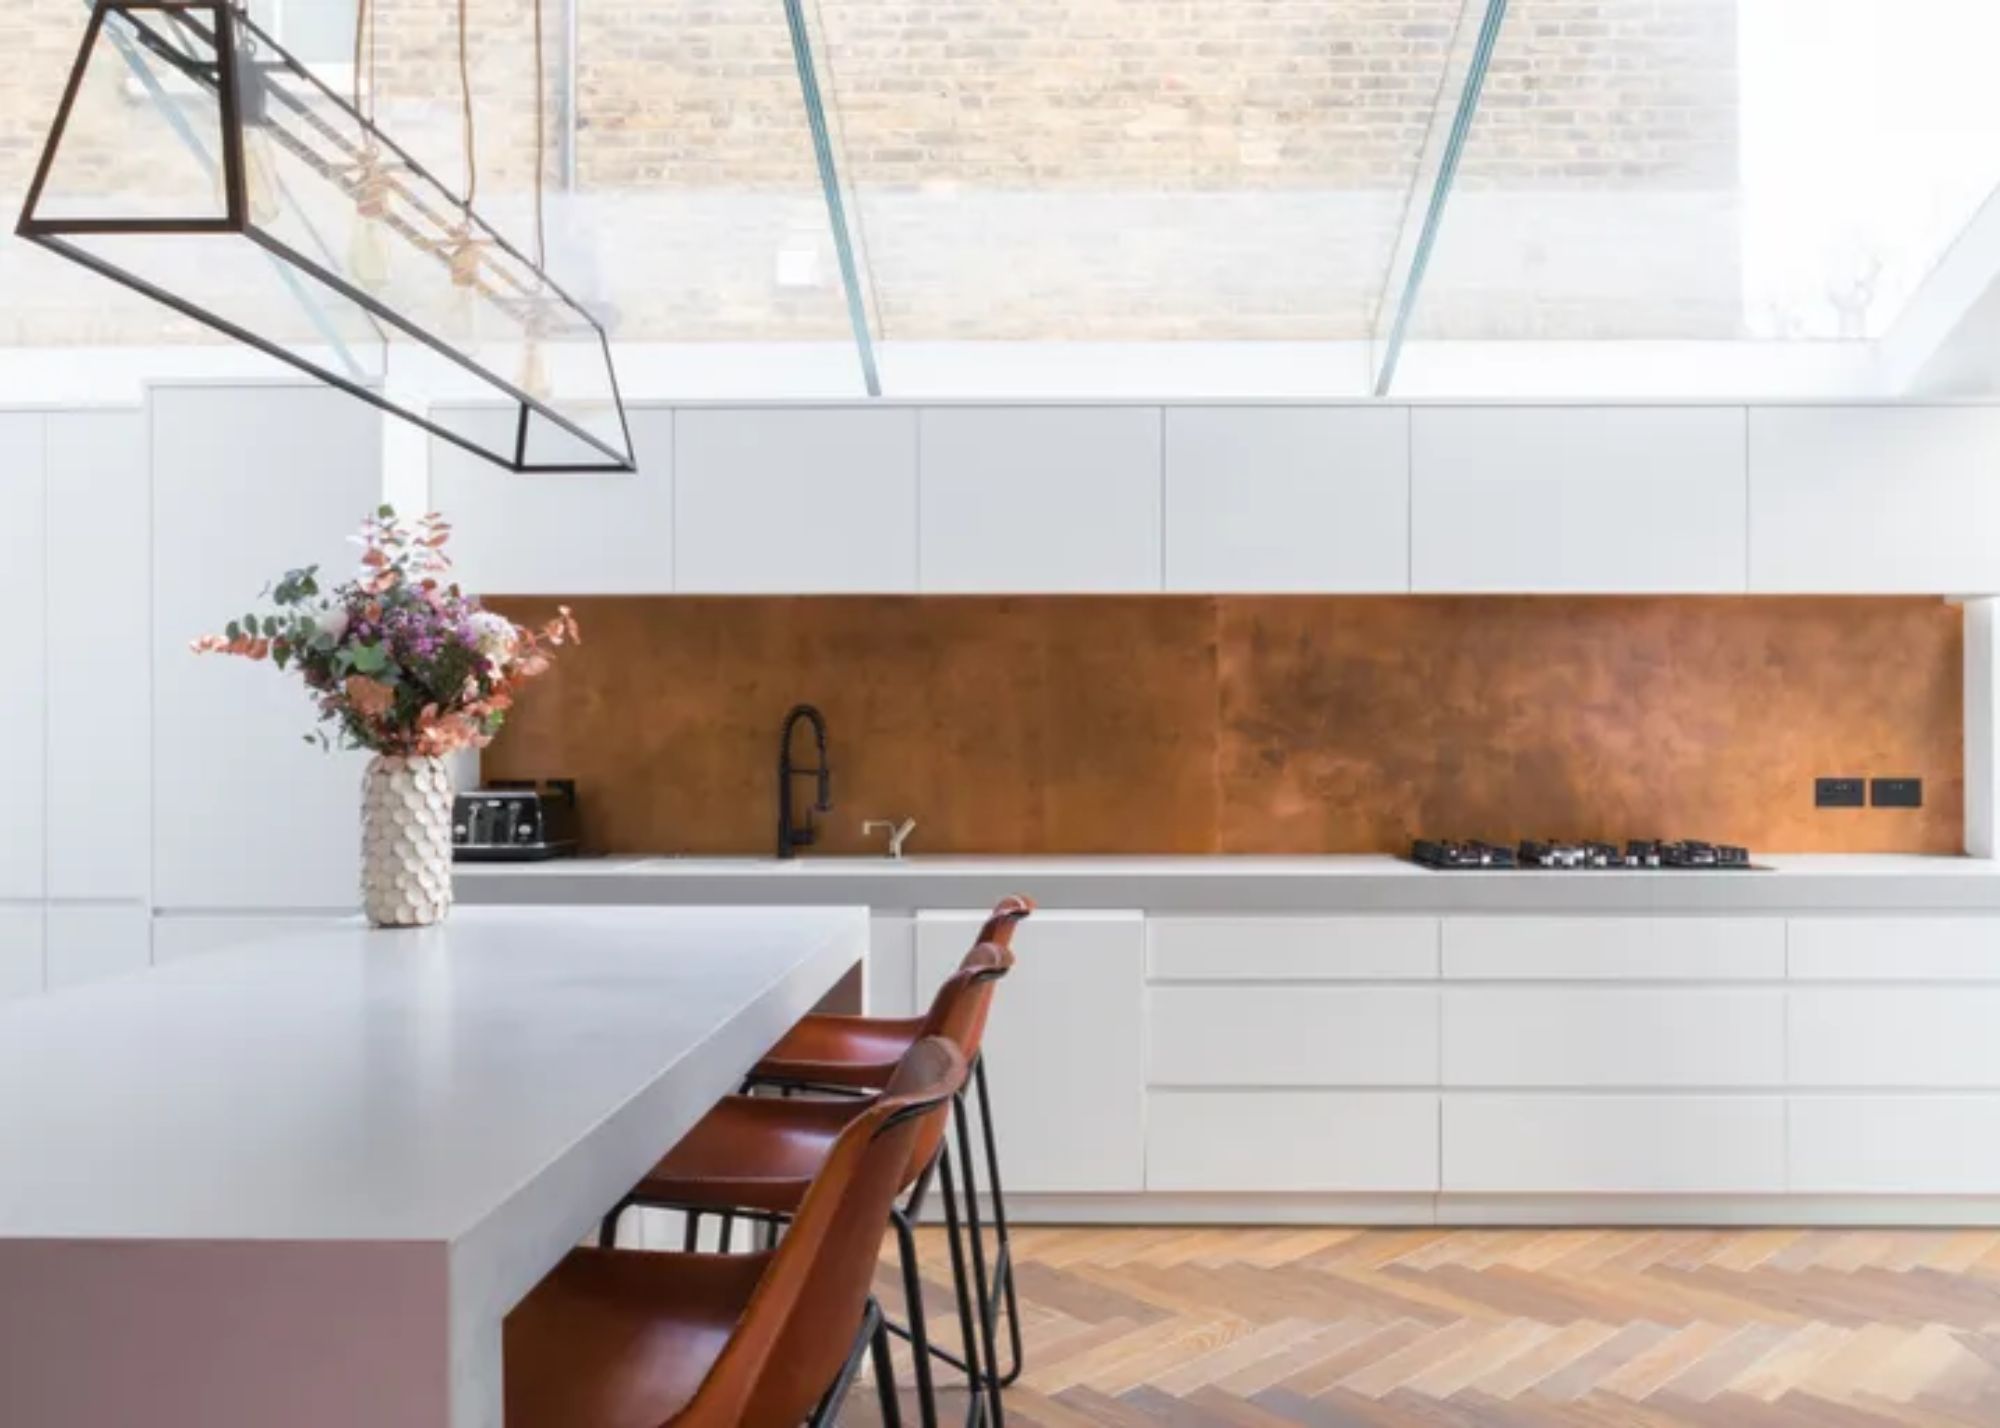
[294, 164]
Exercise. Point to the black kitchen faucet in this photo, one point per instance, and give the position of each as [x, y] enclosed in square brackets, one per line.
[792, 838]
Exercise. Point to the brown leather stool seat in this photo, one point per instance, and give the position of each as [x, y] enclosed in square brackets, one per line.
[855, 1053]
[750, 1153]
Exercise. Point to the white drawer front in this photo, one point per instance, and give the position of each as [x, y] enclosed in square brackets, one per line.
[1695, 949]
[1550, 1036]
[1614, 1144]
[1895, 1036]
[1891, 1145]
[1292, 1036]
[1292, 1141]
[1835, 949]
[1301, 949]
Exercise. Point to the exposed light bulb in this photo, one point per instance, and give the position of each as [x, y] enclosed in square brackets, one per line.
[260, 176]
[368, 255]
[534, 374]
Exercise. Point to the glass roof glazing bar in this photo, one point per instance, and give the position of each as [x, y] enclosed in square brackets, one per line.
[1443, 147]
[836, 205]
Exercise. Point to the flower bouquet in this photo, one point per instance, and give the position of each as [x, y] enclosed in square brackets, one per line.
[406, 665]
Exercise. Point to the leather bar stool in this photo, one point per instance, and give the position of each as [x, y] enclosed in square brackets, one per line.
[753, 1157]
[846, 1053]
[628, 1339]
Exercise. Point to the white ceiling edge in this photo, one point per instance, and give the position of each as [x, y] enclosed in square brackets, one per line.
[1082, 371]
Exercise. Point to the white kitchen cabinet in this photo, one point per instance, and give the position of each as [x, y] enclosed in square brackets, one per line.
[1879, 1036]
[100, 642]
[1555, 1144]
[1895, 1145]
[1292, 1036]
[1292, 1141]
[1627, 1037]
[1939, 948]
[567, 533]
[24, 692]
[1288, 499]
[87, 943]
[21, 963]
[1584, 499]
[1040, 499]
[177, 937]
[1065, 1044]
[1292, 949]
[891, 988]
[248, 483]
[1694, 949]
[1874, 499]
[819, 501]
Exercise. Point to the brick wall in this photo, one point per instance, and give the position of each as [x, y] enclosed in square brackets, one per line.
[1123, 169]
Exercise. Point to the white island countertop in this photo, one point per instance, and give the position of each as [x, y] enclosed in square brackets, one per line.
[1797, 882]
[302, 1182]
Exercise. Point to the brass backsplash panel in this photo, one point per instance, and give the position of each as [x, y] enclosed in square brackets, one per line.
[1279, 724]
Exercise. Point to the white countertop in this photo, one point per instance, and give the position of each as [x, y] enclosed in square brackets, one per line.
[1800, 881]
[448, 1109]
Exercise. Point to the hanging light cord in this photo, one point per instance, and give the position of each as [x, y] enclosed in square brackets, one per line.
[541, 158]
[465, 97]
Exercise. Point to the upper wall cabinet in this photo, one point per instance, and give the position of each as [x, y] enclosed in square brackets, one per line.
[1578, 499]
[23, 573]
[1055, 499]
[560, 534]
[99, 534]
[1875, 500]
[1284, 499]
[247, 483]
[813, 501]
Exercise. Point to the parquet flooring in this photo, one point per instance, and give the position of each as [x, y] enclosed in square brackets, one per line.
[1607, 1328]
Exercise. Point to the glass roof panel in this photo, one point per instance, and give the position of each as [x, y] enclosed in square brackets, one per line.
[1715, 169]
[1114, 170]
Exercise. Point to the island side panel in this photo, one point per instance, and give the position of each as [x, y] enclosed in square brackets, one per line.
[208, 1334]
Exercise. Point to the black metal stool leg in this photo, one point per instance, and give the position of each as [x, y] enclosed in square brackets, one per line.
[979, 1387]
[982, 1295]
[691, 1236]
[885, 1374]
[913, 1310]
[607, 1232]
[1003, 1262]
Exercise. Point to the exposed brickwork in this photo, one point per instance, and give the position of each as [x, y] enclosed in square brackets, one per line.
[1049, 168]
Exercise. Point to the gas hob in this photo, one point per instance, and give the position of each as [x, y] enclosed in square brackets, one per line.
[1557, 855]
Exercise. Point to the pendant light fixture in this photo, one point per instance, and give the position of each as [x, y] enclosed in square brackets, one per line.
[249, 196]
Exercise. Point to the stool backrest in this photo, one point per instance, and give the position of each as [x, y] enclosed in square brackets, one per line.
[798, 1329]
[1008, 913]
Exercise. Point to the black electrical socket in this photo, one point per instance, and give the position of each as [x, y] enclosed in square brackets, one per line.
[1840, 792]
[1896, 792]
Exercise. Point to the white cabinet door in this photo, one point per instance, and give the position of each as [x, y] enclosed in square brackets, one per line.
[1292, 1036]
[1288, 498]
[1874, 499]
[1631, 1037]
[1663, 1145]
[1028, 499]
[24, 691]
[1532, 499]
[561, 534]
[1895, 1145]
[21, 964]
[810, 502]
[88, 944]
[1065, 1044]
[248, 483]
[100, 641]
[1895, 1036]
[1292, 1141]
[892, 968]
[1600, 949]
[1292, 949]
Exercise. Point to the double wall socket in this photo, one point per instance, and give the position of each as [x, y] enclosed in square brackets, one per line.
[1855, 792]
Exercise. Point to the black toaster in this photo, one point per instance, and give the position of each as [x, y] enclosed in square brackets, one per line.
[515, 821]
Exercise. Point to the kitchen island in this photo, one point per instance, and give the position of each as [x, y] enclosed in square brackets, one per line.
[1354, 1039]
[302, 1182]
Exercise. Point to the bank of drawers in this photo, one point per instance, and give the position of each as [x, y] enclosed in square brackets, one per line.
[1519, 1055]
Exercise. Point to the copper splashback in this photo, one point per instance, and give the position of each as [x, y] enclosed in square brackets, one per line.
[1284, 724]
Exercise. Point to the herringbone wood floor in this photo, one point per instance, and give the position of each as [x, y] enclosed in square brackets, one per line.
[1241, 1328]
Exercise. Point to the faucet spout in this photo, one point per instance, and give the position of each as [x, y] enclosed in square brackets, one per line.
[793, 834]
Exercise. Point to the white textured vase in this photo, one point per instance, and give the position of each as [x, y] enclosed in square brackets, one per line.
[405, 841]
